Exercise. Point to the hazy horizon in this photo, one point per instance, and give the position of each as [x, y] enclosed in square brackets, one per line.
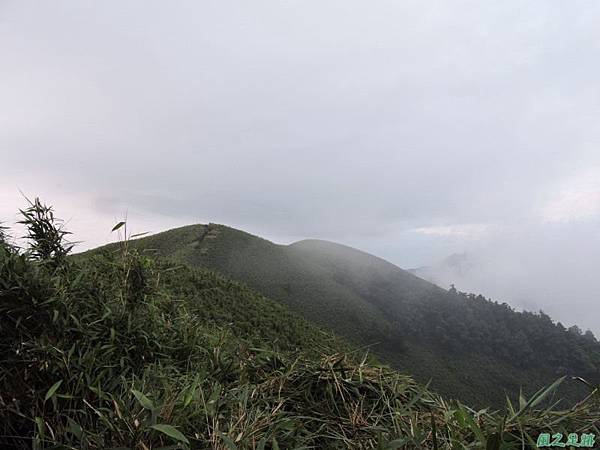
[411, 131]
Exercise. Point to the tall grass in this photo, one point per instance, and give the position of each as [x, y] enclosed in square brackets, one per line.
[106, 353]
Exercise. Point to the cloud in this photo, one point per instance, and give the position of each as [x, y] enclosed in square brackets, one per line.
[470, 231]
[411, 130]
[577, 199]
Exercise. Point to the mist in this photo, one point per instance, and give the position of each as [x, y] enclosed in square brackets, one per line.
[549, 268]
[411, 131]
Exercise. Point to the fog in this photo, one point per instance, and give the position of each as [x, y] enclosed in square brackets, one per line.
[410, 130]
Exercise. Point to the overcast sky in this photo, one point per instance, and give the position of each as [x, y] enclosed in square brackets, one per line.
[409, 129]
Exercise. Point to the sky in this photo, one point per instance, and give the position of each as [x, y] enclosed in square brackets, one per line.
[412, 130]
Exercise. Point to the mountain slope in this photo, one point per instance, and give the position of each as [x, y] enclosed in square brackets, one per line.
[470, 348]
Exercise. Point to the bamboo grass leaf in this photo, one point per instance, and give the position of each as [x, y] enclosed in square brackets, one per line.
[52, 390]
[170, 431]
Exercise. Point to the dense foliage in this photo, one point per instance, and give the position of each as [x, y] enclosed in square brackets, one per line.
[123, 351]
[471, 348]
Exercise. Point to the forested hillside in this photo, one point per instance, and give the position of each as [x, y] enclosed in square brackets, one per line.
[117, 349]
[471, 348]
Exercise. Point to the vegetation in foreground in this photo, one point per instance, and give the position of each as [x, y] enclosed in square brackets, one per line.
[124, 351]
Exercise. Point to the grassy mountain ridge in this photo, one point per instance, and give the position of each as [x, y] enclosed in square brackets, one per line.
[294, 275]
[444, 336]
[116, 349]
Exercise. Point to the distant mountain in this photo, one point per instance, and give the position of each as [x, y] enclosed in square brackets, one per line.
[471, 348]
[448, 271]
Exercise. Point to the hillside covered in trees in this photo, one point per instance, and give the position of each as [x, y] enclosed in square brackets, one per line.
[121, 350]
[470, 348]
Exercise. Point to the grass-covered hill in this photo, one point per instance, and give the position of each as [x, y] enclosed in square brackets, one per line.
[310, 282]
[119, 350]
[471, 348]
